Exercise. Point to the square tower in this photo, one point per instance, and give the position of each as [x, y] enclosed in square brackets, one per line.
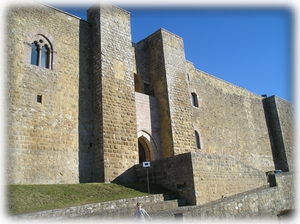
[114, 99]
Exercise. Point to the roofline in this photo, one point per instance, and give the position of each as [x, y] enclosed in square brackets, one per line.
[159, 31]
[69, 14]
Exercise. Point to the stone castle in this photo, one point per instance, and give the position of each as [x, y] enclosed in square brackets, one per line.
[86, 104]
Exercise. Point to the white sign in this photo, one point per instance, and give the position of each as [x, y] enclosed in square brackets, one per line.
[146, 164]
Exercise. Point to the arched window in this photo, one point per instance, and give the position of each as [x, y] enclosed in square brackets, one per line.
[195, 100]
[41, 52]
[35, 53]
[197, 137]
[45, 56]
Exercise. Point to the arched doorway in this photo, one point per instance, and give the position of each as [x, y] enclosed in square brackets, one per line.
[144, 150]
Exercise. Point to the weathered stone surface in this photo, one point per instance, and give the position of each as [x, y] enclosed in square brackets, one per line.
[102, 92]
[201, 178]
[219, 176]
[148, 124]
[279, 115]
[230, 120]
[114, 65]
[46, 142]
[113, 209]
[264, 202]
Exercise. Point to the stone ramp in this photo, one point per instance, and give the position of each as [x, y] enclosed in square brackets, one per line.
[110, 209]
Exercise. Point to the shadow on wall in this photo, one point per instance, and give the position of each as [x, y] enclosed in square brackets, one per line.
[89, 168]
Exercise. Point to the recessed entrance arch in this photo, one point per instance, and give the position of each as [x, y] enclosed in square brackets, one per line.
[147, 147]
[144, 152]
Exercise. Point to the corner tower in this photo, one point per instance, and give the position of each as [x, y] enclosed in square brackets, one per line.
[114, 99]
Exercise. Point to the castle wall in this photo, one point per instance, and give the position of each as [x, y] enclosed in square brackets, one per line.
[178, 95]
[219, 176]
[165, 172]
[202, 178]
[279, 114]
[230, 120]
[113, 71]
[153, 69]
[45, 139]
[262, 202]
[167, 71]
[148, 121]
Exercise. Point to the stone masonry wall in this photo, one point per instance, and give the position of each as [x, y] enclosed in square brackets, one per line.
[202, 178]
[230, 120]
[44, 143]
[153, 68]
[167, 72]
[265, 202]
[123, 208]
[148, 121]
[218, 176]
[262, 202]
[174, 173]
[287, 121]
[279, 115]
[114, 68]
[178, 95]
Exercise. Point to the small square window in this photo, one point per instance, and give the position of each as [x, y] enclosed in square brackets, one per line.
[39, 98]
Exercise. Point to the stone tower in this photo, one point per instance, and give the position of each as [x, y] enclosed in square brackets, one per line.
[166, 68]
[114, 100]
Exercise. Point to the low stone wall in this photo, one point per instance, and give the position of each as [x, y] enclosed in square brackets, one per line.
[262, 202]
[218, 176]
[174, 173]
[109, 208]
[200, 178]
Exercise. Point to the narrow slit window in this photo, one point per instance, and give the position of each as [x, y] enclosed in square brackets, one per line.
[34, 54]
[198, 144]
[39, 98]
[195, 100]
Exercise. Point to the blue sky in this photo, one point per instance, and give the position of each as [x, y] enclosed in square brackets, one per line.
[248, 47]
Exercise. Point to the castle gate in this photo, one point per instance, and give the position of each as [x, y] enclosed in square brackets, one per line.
[144, 151]
[147, 147]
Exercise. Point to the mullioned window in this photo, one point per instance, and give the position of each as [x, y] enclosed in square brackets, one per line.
[41, 52]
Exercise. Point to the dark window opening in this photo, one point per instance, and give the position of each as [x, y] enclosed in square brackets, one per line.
[142, 153]
[195, 100]
[39, 98]
[137, 83]
[178, 216]
[197, 140]
[41, 52]
[148, 90]
[34, 54]
[45, 57]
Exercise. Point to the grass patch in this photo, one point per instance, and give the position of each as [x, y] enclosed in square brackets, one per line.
[31, 198]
